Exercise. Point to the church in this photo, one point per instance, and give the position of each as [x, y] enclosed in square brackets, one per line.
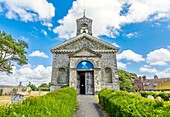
[84, 62]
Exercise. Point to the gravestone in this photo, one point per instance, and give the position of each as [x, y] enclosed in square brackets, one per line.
[151, 97]
[17, 98]
[159, 98]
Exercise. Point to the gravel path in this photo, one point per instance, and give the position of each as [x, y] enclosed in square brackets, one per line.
[88, 107]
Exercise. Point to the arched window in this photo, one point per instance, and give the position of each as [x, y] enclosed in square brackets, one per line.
[108, 75]
[85, 65]
[62, 76]
[84, 28]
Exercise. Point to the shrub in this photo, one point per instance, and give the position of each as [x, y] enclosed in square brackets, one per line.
[54, 104]
[145, 94]
[163, 95]
[123, 104]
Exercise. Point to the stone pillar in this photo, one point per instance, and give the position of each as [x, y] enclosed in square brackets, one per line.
[97, 80]
[73, 78]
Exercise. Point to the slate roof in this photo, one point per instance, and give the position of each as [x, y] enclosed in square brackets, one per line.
[152, 84]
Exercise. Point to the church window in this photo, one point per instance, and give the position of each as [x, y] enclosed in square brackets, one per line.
[85, 65]
[62, 76]
[84, 25]
[108, 75]
[84, 28]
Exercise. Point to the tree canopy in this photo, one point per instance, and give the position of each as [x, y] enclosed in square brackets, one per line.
[44, 87]
[125, 80]
[33, 87]
[11, 50]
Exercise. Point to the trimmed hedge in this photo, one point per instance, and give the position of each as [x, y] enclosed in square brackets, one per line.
[163, 95]
[123, 104]
[59, 103]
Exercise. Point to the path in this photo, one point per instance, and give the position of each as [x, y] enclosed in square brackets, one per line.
[88, 107]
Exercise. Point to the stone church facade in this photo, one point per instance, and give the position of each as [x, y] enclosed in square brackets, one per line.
[84, 62]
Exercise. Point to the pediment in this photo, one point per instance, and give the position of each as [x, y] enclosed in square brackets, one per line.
[85, 52]
[85, 41]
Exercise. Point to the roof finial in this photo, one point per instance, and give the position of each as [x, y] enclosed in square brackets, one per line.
[84, 14]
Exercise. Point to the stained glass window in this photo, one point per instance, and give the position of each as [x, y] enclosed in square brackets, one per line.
[85, 65]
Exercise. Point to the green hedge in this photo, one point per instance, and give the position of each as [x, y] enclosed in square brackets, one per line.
[163, 95]
[123, 104]
[60, 103]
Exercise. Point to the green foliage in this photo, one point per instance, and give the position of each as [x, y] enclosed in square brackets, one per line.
[123, 104]
[23, 89]
[125, 80]
[163, 95]
[60, 103]
[33, 87]
[14, 90]
[44, 87]
[1, 91]
[11, 50]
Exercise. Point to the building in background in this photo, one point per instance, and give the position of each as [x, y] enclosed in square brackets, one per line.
[156, 84]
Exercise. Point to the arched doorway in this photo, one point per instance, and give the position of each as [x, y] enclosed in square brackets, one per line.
[85, 78]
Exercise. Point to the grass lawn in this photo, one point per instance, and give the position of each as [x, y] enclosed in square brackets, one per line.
[5, 100]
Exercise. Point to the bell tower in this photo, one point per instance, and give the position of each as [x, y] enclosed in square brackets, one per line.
[84, 25]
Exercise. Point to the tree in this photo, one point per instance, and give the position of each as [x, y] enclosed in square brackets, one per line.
[125, 80]
[32, 86]
[44, 87]
[11, 50]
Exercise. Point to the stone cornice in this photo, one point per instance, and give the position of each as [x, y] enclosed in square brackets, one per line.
[85, 69]
[72, 51]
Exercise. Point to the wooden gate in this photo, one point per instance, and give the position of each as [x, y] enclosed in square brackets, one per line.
[89, 83]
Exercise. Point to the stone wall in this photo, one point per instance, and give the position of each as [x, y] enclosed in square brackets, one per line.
[99, 62]
[109, 60]
[8, 90]
[60, 60]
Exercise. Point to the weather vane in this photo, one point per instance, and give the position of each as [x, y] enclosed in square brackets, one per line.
[84, 13]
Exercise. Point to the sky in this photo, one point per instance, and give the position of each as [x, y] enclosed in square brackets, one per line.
[140, 28]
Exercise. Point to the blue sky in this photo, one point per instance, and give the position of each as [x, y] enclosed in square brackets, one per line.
[141, 29]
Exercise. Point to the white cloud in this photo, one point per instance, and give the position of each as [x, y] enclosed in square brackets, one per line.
[132, 35]
[158, 57]
[164, 73]
[121, 65]
[106, 16]
[44, 32]
[115, 44]
[158, 24]
[130, 56]
[148, 69]
[168, 47]
[37, 53]
[48, 24]
[30, 10]
[26, 74]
